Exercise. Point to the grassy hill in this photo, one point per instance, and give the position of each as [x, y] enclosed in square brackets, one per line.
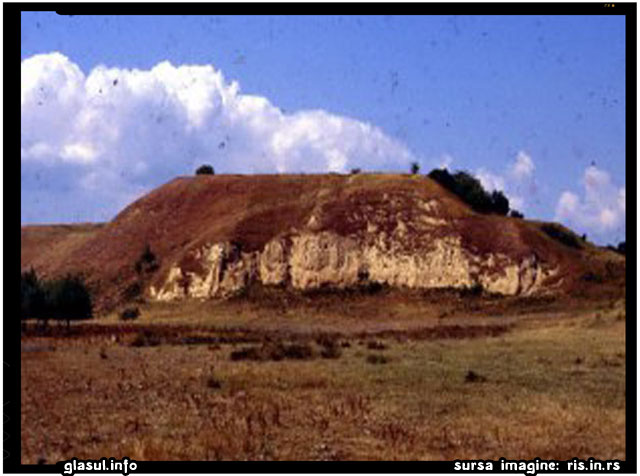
[188, 213]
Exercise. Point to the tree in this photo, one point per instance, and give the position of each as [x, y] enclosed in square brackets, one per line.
[500, 203]
[355, 171]
[470, 190]
[516, 214]
[415, 168]
[32, 296]
[68, 299]
[205, 169]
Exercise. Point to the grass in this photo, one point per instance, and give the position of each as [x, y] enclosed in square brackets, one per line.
[547, 388]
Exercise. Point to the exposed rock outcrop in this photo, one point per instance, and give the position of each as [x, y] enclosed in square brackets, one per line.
[311, 260]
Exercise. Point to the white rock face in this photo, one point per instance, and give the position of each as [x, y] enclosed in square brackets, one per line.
[307, 260]
[222, 271]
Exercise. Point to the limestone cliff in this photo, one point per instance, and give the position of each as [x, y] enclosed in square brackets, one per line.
[406, 243]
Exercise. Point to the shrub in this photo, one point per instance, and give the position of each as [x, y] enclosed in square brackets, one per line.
[371, 287]
[147, 262]
[470, 190]
[133, 291]
[205, 169]
[516, 214]
[130, 313]
[592, 277]
[377, 359]
[473, 377]
[330, 347]
[333, 352]
[146, 339]
[297, 351]
[376, 345]
[249, 353]
[558, 234]
[472, 291]
[214, 383]
[415, 168]
[274, 352]
[622, 248]
[355, 171]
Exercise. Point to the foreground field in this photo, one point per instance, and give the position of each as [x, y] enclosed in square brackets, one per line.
[271, 382]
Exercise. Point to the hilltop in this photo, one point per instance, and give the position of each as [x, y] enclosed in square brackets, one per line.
[215, 236]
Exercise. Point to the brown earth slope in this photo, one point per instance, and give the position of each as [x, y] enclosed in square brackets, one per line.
[212, 236]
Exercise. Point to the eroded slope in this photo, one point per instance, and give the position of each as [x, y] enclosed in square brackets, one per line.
[215, 235]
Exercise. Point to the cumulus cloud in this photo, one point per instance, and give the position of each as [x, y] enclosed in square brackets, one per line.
[117, 132]
[518, 182]
[489, 180]
[523, 166]
[600, 210]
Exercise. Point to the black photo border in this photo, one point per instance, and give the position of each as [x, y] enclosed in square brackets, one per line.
[11, 194]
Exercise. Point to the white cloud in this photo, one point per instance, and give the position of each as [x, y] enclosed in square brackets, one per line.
[567, 205]
[601, 209]
[118, 131]
[520, 179]
[523, 167]
[490, 181]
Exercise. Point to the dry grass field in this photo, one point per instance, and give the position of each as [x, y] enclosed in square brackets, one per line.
[386, 377]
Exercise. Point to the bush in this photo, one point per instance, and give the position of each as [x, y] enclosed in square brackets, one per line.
[415, 167]
[474, 290]
[355, 171]
[130, 314]
[558, 234]
[376, 345]
[470, 190]
[377, 359]
[133, 291]
[473, 377]
[330, 347]
[592, 277]
[214, 383]
[146, 339]
[274, 352]
[516, 214]
[147, 262]
[205, 170]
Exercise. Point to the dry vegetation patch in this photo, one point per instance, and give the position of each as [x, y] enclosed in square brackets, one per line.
[548, 388]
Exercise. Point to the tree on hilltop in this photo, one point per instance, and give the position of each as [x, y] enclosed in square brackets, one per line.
[205, 169]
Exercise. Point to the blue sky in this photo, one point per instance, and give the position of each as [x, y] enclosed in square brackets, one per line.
[531, 104]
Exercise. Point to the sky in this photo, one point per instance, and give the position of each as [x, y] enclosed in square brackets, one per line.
[114, 106]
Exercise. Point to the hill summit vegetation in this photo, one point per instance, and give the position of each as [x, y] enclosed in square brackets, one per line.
[470, 190]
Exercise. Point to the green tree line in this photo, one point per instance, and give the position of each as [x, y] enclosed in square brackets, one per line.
[62, 299]
[470, 190]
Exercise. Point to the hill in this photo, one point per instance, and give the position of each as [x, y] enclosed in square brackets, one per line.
[214, 236]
